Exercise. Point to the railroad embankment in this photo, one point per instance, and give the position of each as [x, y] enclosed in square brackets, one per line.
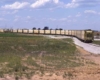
[90, 47]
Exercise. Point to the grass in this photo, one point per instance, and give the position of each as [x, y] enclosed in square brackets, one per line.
[23, 55]
[96, 42]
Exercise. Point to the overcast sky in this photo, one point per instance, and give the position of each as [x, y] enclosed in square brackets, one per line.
[66, 14]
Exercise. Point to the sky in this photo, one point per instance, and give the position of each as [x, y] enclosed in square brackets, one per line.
[65, 14]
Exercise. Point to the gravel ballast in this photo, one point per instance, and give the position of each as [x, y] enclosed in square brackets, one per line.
[87, 46]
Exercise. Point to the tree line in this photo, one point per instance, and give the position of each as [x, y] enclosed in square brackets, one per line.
[46, 28]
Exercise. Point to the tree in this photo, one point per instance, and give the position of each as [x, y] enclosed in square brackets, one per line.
[56, 29]
[46, 28]
[34, 28]
[60, 29]
[39, 28]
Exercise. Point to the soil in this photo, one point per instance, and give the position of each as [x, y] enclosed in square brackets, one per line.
[90, 56]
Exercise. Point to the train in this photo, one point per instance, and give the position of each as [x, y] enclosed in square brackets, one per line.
[83, 35]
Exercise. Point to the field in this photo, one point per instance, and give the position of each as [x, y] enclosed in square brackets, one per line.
[96, 42]
[25, 56]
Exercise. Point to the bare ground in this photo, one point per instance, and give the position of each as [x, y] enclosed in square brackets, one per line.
[90, 56]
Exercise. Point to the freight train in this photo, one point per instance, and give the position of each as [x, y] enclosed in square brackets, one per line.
[84, 35]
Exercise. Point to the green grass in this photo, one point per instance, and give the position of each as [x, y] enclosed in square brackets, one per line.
[8, 35]
[14, 35]
[21, 54]
[96, 42]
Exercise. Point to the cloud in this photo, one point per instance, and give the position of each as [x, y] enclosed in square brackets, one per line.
[90, 11]
[56, 1]
[82, 3]
[73, 4]
[20, 5]
[39, 3]
[88, 3]
[52, 4]
[46, 3]
[16, 5]
[8, 12]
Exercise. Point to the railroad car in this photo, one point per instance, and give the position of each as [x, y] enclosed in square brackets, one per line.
[53, 32]
[84, 35]
[41, 31]
[19, 30]
[47, 31]
[70, 32]
[73, 33]
[89, 35]
[14, 31]
[30, 31]
[57, 31]
[62, 32]
[36, 31]
[66, 32]
[25, 31]
[11, 30]
[1, 30]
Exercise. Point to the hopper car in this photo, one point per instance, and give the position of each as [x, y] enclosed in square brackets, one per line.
[84, 35]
